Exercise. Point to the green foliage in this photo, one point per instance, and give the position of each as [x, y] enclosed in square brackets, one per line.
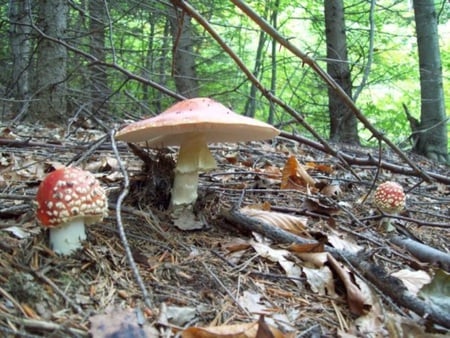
[138, 38]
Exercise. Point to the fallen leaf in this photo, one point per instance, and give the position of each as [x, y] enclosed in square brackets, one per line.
[325, 168]
[438, 291]
[277, 256]
[294, 176]
[258, 329]
[320, 280]
[318, 206]
[294, 224]
[413, 280]
[355, 298]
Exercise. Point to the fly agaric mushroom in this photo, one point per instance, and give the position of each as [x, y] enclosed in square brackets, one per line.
[390, 198]
[192, 124]
[67, 199]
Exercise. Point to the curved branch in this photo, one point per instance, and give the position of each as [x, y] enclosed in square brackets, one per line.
[264, 25]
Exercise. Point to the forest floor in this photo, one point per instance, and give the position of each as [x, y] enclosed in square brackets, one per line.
[223, 279]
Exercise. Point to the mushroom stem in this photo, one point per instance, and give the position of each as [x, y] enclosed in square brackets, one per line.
[194, 156]
[68, 237]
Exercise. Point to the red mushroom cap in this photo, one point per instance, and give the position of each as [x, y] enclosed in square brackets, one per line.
[69, 193]
[389, 197]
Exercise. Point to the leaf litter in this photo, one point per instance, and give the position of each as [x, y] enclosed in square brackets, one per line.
[221, 281]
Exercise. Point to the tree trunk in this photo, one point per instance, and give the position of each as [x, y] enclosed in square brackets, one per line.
[50, 102]
[250, 104]
[343, 124]
[432, 134]
[273, 77]
[20, 32]
[98, 77]
[183, 56]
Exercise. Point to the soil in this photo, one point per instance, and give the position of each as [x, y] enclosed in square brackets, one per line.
[210, 277]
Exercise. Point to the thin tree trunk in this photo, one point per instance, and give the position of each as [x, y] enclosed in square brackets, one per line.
[50, 102]
[20, 31]
[250, 105]
[273, 79]
[343, 124]
[183, 56]
[432, 136]
[98, 77]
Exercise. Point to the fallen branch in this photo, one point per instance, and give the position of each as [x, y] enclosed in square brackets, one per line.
[41, 325]
[423, 252]
[369, 160]
[274, 34]
[389, 285]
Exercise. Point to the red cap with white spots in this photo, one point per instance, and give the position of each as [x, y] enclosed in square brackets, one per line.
[70, 193]
[389, 197]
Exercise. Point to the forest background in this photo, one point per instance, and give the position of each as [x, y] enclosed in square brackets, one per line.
[66, 61]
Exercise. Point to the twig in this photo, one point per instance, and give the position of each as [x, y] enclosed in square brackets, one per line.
[389, 285]
[96, 61]
[264, 25]
[81, 157]
[55, 287]
[123, 237]
[266, 92]
[8, 296]
[370, 160]
[419, 222]
[219, 282]
[43, 325]
[423, 252]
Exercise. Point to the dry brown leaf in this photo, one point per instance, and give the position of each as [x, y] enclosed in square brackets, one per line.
[325, 168]
[294, 224]
[294, 176]
[259, 329]
[317, 206]
[355, 298]
[299, 248]
[246, 330]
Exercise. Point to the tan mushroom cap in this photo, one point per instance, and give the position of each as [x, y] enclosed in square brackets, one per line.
[211, 119]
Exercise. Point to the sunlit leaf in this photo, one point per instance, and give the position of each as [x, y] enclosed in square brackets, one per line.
[294, 176]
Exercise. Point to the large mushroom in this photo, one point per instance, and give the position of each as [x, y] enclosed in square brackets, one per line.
[68, 198]
[192, 124]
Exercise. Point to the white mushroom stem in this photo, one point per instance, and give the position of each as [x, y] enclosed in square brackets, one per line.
[194, 156]
[67, 238]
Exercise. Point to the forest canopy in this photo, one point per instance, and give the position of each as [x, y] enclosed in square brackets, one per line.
[111, 50]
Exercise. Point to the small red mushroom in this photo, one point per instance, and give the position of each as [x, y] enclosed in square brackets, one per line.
[390, 198]
[67, 199]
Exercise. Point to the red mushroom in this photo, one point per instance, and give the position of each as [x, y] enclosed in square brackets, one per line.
[67, 199]
[390, 198]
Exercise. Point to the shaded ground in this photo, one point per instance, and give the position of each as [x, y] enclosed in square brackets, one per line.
[215, 276]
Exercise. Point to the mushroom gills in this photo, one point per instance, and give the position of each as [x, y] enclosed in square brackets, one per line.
[194, 156]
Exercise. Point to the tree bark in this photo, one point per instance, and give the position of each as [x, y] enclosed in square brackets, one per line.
[98, 77]
[183, 54]
[432, 135]
[20, 33]
[343, 124]
[50, 102]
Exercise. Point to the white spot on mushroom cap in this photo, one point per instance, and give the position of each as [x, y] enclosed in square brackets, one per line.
[390, 197]
[71, 194]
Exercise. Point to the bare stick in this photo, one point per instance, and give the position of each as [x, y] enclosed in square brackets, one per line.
[264, 25]
[122, 234]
